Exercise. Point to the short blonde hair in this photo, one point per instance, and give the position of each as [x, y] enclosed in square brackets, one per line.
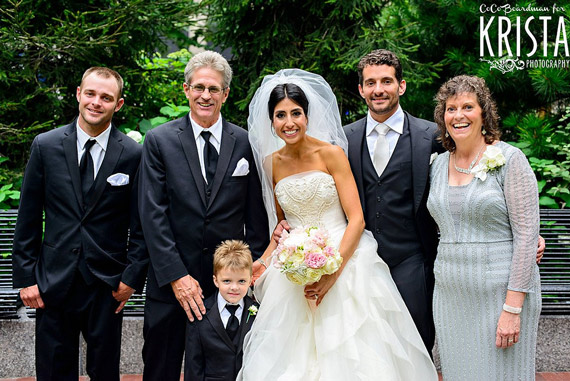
[104, 72]
[232, 254]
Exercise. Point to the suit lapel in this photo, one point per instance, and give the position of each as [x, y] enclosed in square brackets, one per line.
[226, 150]
[246, 322]
[112, 155]
[188, 142]
[70, 148]
[213, 316]
[355, 144]
[421, 151]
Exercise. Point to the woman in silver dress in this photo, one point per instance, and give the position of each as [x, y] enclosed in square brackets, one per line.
[484, 199]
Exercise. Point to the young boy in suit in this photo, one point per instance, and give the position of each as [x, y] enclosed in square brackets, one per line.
[214, 344]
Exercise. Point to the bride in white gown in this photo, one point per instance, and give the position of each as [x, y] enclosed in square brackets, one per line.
[352, 325]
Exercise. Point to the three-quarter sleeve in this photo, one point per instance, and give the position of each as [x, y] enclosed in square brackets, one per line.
[521, 195]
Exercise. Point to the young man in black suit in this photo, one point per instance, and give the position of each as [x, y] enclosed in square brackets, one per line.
[199, 186]
[215, 344]
[80, 274]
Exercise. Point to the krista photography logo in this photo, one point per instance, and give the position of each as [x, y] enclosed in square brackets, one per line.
[513, 37]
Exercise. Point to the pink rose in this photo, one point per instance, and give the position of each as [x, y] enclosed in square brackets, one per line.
[315, 260]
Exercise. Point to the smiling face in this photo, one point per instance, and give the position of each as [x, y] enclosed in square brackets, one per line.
[289, 121]
[205, 106]
[464, 119]
[381, 90]
[98, 99]
[232, 283]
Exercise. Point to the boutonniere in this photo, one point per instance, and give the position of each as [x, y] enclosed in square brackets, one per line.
[252, 311]
[491, 160]
[432, 157]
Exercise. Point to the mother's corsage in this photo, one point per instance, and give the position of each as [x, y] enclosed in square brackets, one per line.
[304, 255]
[491, 160]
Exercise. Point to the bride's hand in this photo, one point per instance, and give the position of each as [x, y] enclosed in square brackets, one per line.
[257, 270]
[319, 289]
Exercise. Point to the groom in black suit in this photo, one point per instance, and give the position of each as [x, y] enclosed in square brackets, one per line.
[199, 186]
[393, 183]
[79, 275]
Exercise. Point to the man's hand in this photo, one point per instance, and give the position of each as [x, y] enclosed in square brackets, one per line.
[122, 295]
[189, 294]
[278, 232]
[541, 247]
[31, 297]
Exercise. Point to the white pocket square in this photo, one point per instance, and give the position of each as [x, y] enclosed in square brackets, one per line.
[242, 168]
[118, 179]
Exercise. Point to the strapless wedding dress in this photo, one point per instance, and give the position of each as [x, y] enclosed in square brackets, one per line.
[361, 330]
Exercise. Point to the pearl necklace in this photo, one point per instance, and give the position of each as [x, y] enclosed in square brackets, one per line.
[468, 170]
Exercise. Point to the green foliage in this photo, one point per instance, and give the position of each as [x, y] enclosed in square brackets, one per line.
[10, 183]
[47, 45]
[325, 37]
[547, 146]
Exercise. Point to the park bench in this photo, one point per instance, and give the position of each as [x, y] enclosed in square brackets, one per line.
[9, 301]
[554, 268]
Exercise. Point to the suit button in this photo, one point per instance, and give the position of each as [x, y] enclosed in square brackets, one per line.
[205, 250]
[378, 214]
[208, 193]
[75, 251]
[379, 199]
[377, 230]
[379, 182]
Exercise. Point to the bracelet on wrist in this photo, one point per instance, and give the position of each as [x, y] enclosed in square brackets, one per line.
[511, 309]
[262, 262]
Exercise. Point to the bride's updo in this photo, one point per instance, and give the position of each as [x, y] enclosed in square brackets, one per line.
[290, 91]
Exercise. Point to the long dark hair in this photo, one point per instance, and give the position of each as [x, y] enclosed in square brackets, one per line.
[290, 91]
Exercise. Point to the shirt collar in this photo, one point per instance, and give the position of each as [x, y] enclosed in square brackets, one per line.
[102, 139]
[222, 302]
[215, 129]
[395, 122]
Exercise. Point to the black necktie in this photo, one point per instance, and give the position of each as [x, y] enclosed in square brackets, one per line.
[233, 322]
[210, 158]
[86, 169]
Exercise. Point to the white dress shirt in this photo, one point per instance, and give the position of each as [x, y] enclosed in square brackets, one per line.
[215, 139]
[224, 313]
[396, 124]
[97, 151]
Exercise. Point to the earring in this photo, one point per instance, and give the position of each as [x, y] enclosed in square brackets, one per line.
[446, 134]
[273, 130]
[483, 132]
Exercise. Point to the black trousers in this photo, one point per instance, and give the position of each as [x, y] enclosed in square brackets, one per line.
[89, 309]
[164, 340]
[415, 281]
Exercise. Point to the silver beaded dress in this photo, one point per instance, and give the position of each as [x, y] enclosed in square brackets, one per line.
[489, 234]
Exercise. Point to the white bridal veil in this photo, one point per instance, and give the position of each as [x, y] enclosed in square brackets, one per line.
[324, 124]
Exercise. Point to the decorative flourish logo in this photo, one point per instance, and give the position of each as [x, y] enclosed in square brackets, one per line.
[505, 65]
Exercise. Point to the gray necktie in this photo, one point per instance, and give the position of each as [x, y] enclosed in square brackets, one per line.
[382, 149]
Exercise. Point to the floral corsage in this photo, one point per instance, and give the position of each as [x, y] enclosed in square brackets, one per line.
[252, 311]
[491, 160]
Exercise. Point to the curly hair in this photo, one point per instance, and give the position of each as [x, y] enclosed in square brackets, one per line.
[380, 57]
[462, 84]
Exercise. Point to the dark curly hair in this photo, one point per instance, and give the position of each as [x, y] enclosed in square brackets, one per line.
[467, 84]
[380, 57]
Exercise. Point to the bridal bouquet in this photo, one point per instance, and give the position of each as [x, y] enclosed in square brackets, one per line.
[304, 255]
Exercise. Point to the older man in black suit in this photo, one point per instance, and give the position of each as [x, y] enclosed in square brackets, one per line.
[80, 274]
[199, 186]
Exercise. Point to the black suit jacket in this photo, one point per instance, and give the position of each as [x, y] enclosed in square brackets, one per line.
[210, 353]
[100, 226]
[181, 227]
[423, 137]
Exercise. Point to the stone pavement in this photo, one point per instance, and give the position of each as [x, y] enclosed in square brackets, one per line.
[542, 376]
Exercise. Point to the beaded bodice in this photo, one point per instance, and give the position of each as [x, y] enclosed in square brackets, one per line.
[311, 198]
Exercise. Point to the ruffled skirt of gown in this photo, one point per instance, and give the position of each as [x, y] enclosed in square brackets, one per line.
[361, 330]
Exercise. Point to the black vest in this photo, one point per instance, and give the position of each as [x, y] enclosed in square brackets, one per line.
[389, 202]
